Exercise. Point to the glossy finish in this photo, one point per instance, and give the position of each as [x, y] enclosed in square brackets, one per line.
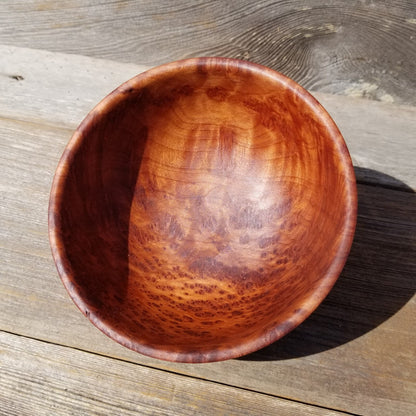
[202, 210]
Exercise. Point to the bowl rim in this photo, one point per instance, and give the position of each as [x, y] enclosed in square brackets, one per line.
[139, 81]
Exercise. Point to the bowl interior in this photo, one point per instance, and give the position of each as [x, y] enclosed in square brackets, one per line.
[203, 210]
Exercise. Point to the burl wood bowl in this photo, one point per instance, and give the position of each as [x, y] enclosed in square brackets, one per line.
[202, 210]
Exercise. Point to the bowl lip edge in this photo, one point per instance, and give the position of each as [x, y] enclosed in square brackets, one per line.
[326, 281]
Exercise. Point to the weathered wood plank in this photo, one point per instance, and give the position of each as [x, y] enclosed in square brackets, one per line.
[60, 89]
[356, 353]
[360, 48]
[56, 88]
[37, 378]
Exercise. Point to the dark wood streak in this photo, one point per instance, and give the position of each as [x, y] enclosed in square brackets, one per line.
[181, 244]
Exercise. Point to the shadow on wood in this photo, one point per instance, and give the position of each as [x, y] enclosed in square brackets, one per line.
[377, 280]
[91, 228]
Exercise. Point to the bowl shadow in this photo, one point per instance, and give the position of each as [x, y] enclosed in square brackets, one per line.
[378, 278]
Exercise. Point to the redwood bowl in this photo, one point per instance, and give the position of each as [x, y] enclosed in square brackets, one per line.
[202, 210]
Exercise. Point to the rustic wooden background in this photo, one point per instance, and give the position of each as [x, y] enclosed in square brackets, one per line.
[358, 47]
[356, 353]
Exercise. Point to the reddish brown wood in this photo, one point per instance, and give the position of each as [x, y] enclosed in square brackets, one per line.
[202, 210]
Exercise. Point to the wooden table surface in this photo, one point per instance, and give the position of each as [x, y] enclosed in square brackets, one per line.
[356, 353]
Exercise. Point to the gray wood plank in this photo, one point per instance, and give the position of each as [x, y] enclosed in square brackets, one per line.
[37, 378]
[359, 48]
[56, 88]
[60, 89]
[381, 138]
[355, 354]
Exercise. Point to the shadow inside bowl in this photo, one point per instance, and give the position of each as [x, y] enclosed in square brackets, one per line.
[91, 249]
[378, 278]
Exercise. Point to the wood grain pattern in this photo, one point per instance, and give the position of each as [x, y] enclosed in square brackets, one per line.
[60, 89]
[356, 352]
[358, 48]
[50, 379]
[352, 357]
[191, 208]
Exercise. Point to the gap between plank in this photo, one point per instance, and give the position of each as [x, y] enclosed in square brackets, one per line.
[181, 374]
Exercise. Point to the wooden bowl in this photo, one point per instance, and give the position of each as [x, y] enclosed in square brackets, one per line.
[202, 210]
